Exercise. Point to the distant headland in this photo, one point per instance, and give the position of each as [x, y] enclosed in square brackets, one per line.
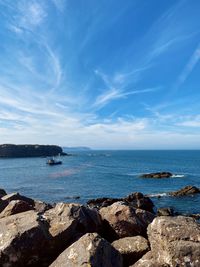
[19, 151]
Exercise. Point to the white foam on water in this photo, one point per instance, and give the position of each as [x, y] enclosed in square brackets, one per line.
[157, 195]
[178, 175]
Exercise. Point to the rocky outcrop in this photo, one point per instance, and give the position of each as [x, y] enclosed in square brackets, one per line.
[188, 190]
[148, 261]
[137, 200]
[126, 220]
[89, 250]
[131, 248]
[2, 192]
[17, 151]
[157, 175]
[175, 241]
[14, 207]
[23, 239]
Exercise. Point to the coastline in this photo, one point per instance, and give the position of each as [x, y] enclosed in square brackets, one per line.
[52, 232]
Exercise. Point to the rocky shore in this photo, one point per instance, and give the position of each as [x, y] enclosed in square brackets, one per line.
[104, 233]
[18, 151]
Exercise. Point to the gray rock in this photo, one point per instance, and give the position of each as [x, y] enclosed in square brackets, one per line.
[14, 207]
[17, 196]
[125, 220]
[67, 222]
[89, 250]
[41, 206]
[148, 261]
[175, 241]
[131, 248]
[23, 239]
[165, 211]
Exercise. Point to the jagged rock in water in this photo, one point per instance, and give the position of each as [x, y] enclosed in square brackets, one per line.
[14, 207]
[188, 190]
[157, 175]
[131, 248]
[89, 250]
[126, 220]
[175, 241]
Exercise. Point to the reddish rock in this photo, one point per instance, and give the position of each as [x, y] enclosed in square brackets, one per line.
[125, 220]
[188, 190]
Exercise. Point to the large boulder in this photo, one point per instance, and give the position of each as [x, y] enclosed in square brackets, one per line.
[89, 250]
[67, 222]
[17, 196]
[23, 240]
[14, 207]
[175, 241]
[188, 190]
[131, 248]
[126, 220]
[157, 175]
[148, 261]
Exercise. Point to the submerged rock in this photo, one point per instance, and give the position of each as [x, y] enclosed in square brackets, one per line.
[175, 241]
[89, 250]
[125, 220]
[157, 175]
[188, 190]
[131, 248]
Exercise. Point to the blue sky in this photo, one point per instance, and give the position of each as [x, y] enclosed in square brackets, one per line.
[118, 74]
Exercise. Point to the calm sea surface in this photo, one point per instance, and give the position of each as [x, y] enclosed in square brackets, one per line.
[92, 174]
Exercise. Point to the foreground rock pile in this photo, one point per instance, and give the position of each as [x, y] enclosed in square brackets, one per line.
[105, 233]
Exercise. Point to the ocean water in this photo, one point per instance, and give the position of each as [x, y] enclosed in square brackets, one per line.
[93, 174]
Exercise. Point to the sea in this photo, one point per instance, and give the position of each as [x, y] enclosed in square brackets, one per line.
[92, 174]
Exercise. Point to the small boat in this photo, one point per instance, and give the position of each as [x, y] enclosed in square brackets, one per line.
[53, 161]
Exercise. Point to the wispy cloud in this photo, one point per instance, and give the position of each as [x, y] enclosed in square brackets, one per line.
[193, 61]
[60, 4]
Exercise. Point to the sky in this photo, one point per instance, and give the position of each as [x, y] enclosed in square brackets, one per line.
[109, 74]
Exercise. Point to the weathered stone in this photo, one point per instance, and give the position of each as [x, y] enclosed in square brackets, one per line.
[17, 196]
[14, 207]
[89, 250]
[148, 261]
[126, 220]
[2, 192]
[165, 211]
[138, 200]
[175, 241]
[23, 239]
[131, 248]
[41, 206]
[68, 222]
[188, 190]
[157, 175]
